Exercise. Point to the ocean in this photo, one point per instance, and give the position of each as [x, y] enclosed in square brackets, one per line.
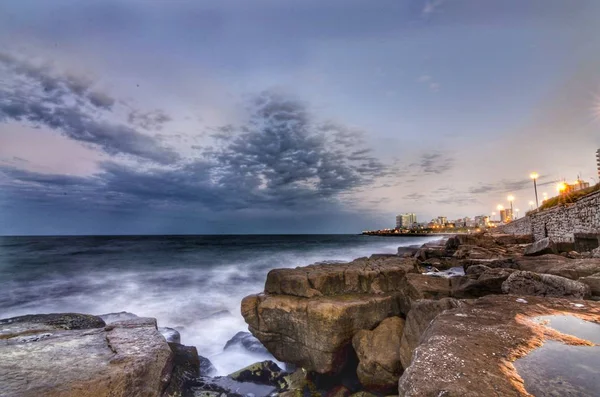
[191, 283]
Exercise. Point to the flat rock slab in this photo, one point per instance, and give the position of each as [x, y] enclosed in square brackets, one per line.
[470, 350]
[77, 355]
[559, 266]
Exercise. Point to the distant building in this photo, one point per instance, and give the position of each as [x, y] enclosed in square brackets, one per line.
[405, 221]
[503, 216]
[508, 213]
[578, 185]
[442, 220]
[598, 162]
[482, 220]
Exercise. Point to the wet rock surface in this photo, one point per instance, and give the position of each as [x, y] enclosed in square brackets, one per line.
[78, 355]
[470, 350]
[247, 341]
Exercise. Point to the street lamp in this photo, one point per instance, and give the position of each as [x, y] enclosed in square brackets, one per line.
[511, 198]
[517, 217]
[534, 176]
[531, 203]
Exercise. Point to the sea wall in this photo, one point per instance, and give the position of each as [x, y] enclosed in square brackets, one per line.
[561, 223]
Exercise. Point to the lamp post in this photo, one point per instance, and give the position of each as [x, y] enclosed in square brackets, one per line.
[511, 198]
[534, 176]
[517, 217]
[531, 203]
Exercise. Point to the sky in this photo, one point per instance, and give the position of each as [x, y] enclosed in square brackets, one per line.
[266, 116]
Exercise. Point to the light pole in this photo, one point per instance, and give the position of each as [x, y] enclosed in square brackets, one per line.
[517, 217]
[534, 176]
[511, 198]
[531, 203]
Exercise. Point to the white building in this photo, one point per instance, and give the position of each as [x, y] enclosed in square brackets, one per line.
[405, 221]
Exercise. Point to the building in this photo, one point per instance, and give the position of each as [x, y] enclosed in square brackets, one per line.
[503, 216]
[405, 221]
[598, 162]
[482, 220]
[442, 220]
[578, 185]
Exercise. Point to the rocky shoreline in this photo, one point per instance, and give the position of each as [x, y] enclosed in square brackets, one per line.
[455, 317]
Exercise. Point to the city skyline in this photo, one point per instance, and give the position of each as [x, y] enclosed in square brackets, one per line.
[127, 117]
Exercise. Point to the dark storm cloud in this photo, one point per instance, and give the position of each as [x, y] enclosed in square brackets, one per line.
[433, 163]
[282, 159]
[66, 104]
[153, 120]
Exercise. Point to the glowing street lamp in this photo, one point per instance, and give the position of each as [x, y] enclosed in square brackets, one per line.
[561, 187]
[534, 176]
[531, 203]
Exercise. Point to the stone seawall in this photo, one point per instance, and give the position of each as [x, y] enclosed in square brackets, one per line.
[561, 223]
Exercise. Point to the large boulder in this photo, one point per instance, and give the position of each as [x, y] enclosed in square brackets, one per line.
[541, 247]
[378, 353]
[470, 350]
[529, 283]
[559, 266]
[78, 355]
[316, 333]
[417, 321]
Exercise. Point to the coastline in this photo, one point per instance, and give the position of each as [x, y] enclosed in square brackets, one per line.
[398, 297]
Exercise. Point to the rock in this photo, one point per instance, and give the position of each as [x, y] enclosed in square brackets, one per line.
[378, 353]
[421, 286]
[360, 276]
[262, 373]
[170, 334]
[427, 253]
[407, 251]
[593, 282]
[480, 281]
[470, 350]
[206, 367]
[125, 358]
[186, 368]
[363, 394]
[559, 266]
[314, 334]
[247, 341]
[541, 247]
[478, 253]
[417, 321]
[120, 316]
[595, 253]
[529, 283]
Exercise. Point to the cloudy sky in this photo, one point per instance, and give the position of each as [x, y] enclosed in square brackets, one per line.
[268, 116]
